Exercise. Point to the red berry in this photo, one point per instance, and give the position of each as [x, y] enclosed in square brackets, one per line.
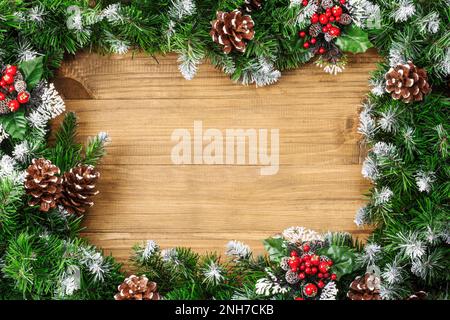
[313, 41]
[338, 19]
[328, 13]
[2, 96]
[2, 83]
[337, 11]
[323, 19]
[302, 34]
[301, 276]
[322, 50]
[324, 29]
[315, 260]
[320, 284]
[335, 31]
[314, 18]
[333, 276]
[302, 267]
[11, 70]
[342, 1]
[332, 19]
[11, 88]
[320, 275]
[326, 275]
[306, 248]
[8, 79]
[13, 105]
[308, 264]
[305, 3]
[310, 290]
[329, 25]
[308, 270]
[294, 253]
[323, 267]
[299, 298]
[23, 97]
[313, 270]
[306, 45]
[330, 262]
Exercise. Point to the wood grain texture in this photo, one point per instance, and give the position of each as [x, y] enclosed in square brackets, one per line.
[139, 101]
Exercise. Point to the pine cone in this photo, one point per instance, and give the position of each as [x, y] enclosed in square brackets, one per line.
[4, 109]
[345, 19]
[137, 288]
[43, 184]
[20, 85]
[252, 5]
[315, 30]
[79, 188]
[327, 4]
[407, 82]
[420, 295]
[365, 288]
[231, 29]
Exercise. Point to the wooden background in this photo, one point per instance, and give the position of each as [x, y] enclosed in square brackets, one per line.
[139, 101]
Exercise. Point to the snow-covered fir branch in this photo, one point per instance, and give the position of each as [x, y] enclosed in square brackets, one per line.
[181, 8]
[3, 134]
[238, 250]
[388, 120]
[430, 23]
[36, 14]
[70, 281]
[188, 65]
[150, 248]
[21, 151]
[115, 44]
[51, 106]
[425, 180]
[444, 65]
[269, 285]
[383, 149]
[367, 124]
[364, 13]
[25, 51]
[378, 87]
[297, 235]
[362, 217]
[329, 292]
[393, 272]
[397, 54]
[94, 262]
[405, 9]
[213, 273]
[369, 168]
[411, 245]
[305, 13]
[370, 254]
[261, 72]
[9, 171]
[113, 14]
[382, 196]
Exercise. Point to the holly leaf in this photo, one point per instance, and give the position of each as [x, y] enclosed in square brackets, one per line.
[344, 259]
[15, 124]
[354, 40]
[275, 248]
[32, 71]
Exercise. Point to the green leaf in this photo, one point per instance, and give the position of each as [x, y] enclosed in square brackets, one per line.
[275, 248]
[15, 124]
[344, 259]
[32, 71]
[354, 40]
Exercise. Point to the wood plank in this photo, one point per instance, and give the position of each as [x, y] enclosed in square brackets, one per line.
[139, 102]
